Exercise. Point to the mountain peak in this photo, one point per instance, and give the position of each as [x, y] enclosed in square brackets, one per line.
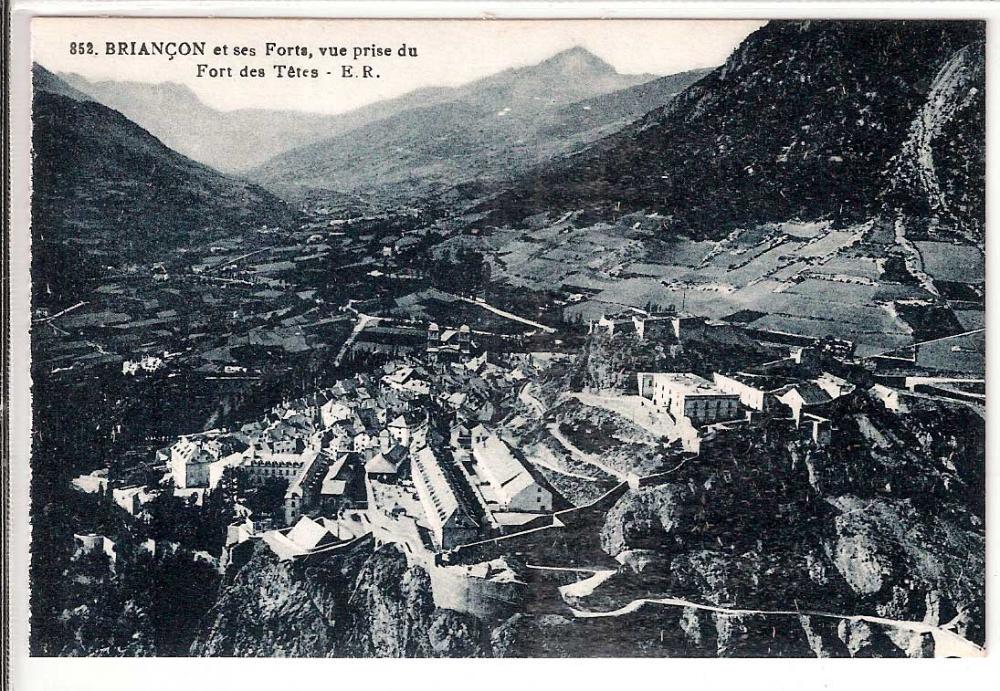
[578, 60]
[119, 95]
[44, 80]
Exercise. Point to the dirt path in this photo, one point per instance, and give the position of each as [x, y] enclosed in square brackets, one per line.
[583, 457]
[947, 643]
[583, 587]
[540, 461]
[52, 317]
[529, 399]
[363, 321]
[914, 262]
[509, 315]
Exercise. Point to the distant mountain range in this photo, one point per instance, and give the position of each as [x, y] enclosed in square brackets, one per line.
[230, 141]
[475, 135]
[102, 182]
[806, 119]
[430, 141]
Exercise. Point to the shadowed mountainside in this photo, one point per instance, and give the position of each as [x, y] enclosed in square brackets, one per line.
[102, 182]
[801, 122]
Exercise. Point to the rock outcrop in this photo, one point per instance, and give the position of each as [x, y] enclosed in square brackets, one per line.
[366, 603]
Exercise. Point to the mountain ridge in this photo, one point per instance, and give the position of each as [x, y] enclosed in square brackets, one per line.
[239, 140]
[796, 103]
[484, 132]
[99, 179]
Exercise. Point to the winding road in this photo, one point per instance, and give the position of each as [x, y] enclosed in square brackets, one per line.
[947, 643]
[529, 399]
[914, 262]
[539, 461]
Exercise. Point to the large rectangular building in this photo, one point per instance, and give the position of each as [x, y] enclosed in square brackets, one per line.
[756, 391]
[303, 493]
[451, 523]
[514, 487]
[686, 395]
[190, 461]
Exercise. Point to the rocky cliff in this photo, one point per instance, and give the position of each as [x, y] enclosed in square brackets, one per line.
[885, 530]
[940, 172]
[365, 603]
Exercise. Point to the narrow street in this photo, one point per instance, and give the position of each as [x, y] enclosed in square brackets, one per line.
[364, 321]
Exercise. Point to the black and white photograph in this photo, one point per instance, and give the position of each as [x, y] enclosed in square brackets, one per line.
[560, 338]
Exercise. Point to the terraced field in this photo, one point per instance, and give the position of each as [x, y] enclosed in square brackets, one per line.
[807, 278]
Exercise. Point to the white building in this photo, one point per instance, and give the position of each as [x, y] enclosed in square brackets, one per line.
[814, 394]
[514, 488]
[303, 492]
[404, 379]
[305, 537]
[834, 386]
[92, 543]
[802, 397]
[756, 391]
[479, 434]
[334, 411]
[686, 395]
[148, 364]
[93, 483]
[403, 428]
[190, 461]
[449, 521]
[132, 499]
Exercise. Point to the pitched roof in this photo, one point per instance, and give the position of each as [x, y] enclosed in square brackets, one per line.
[308, 534]
[439, 497]
[397, 454]
[379, 464]
[505, 472]
[283, 547]
[337, 477]
[810, 393]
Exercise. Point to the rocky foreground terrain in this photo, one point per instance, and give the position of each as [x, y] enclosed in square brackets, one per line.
[871, 547]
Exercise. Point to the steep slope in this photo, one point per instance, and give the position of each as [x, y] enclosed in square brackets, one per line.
[363, 604]
[46, 81]
[940, 173]
[231, 141]
[482, 132]
[618, 108]
[103, 183]
[800, 122]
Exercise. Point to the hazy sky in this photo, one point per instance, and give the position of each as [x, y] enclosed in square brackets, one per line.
[449, 52]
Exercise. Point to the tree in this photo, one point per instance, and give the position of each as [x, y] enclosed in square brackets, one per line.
[268, 498]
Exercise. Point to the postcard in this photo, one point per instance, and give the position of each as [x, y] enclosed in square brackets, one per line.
[449, 337]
